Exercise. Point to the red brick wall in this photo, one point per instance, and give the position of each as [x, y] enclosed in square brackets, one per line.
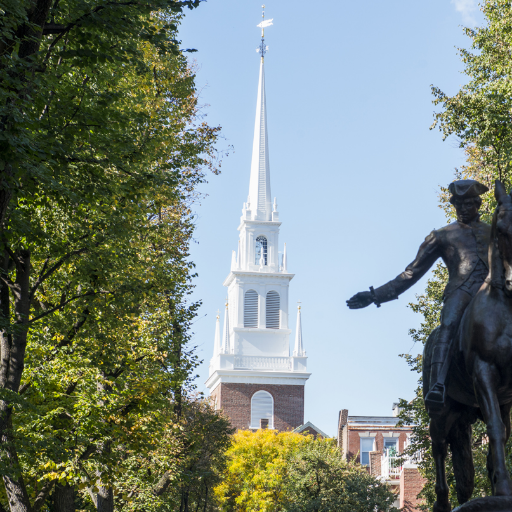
[235, 401]
[411, 483]
[375, 463]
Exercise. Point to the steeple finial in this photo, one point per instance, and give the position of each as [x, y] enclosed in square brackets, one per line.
[298, 351]
[225, 336]
[217, 347]
[262, 47]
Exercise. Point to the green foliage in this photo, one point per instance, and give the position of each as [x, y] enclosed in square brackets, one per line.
[270, 471]
[320, 480]
[102, 146]
[479, 114]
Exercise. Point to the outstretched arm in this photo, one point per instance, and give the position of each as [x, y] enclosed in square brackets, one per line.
[427, 255]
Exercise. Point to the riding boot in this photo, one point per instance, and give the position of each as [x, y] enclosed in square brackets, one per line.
[434, 400]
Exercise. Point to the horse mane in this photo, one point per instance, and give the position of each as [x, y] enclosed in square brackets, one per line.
[496, 276]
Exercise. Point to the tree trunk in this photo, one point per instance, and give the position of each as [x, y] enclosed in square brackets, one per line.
[64, 498]
[105, 499]
[5, 193]
[205, 497]
[13, 342]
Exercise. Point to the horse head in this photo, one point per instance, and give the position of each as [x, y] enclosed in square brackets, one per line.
[502, 229]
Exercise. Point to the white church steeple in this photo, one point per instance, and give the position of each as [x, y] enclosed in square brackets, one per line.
[255, 346]
[259, 185]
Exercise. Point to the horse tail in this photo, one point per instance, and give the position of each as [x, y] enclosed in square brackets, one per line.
[460, 440]
[427, 359]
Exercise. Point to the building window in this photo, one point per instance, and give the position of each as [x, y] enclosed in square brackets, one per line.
[391, 446]
[262, 408]
[272, 310]
[261, 247]
[365, 449]
[251, 309]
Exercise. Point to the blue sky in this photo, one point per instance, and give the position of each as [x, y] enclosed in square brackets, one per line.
[354, 166]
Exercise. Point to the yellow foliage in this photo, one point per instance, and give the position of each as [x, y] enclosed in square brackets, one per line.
[256, 470]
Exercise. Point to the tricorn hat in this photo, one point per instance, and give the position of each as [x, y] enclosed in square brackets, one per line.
[464, 189]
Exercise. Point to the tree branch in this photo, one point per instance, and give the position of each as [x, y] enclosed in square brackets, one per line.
[60, 306]
[64, 30]
[43, 494]
[74, 330]
[162, 484]
[42, 277]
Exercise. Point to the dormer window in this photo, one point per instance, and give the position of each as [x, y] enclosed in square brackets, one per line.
[261, 248]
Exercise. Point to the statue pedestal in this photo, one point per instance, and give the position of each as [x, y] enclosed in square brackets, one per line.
[488, 504]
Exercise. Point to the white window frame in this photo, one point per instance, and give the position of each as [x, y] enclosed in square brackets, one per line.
[395, 439]
[265, 251]
[365, 438]
[257, 420]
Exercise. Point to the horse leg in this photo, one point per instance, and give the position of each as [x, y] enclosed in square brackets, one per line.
[505, 417]
[460, 442]
[490, 470]
[485, 377]
[439, 428]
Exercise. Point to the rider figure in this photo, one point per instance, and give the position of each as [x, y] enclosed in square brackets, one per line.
[463, 247]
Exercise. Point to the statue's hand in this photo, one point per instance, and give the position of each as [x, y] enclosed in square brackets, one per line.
[360, 300]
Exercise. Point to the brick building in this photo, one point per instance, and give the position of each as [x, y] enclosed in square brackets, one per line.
[377, 442]
[253, 377]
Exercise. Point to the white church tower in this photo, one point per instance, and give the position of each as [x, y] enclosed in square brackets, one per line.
[254, 376]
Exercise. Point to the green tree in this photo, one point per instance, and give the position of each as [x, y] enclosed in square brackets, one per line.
[270, 471]
[101, 147]
[320, 480]
[479, 113]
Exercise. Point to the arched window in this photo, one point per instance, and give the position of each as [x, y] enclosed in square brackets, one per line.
[262, 408]
[273, 307]
[251, 309]
[261, 246]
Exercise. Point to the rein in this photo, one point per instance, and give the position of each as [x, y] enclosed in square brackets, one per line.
[495, 277]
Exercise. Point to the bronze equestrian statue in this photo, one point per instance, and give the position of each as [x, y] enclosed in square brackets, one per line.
[479, 371]
[463, 247]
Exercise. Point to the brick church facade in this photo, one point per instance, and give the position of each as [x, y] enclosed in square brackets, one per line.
[254, 376]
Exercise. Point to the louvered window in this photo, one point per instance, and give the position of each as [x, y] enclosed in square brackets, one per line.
[261, 246]
[273, 307]
[251, 309]
[262, 408]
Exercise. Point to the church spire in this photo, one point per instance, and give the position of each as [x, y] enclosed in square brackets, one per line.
[259, 186]
[298, 351]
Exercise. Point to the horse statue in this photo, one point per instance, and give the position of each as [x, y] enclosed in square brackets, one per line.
[479, 384]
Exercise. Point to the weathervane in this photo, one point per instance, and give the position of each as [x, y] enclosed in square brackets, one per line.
[265, 23]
